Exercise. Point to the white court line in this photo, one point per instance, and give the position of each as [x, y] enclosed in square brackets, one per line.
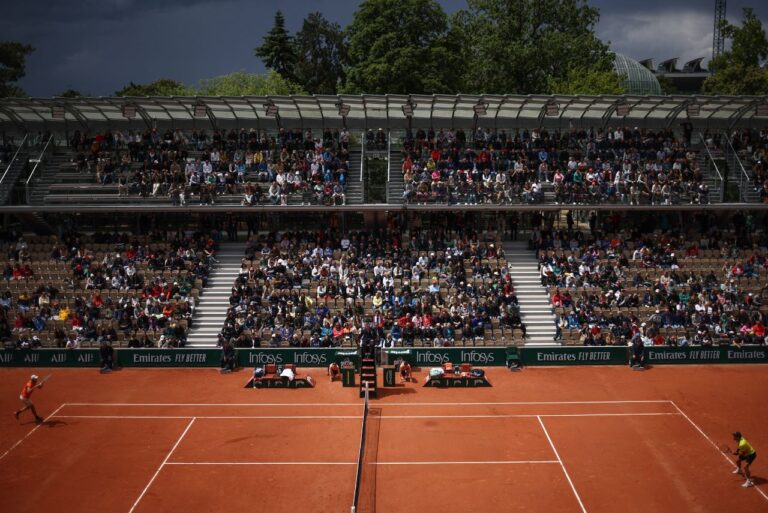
[277, 463]
[378, 404]
[268, 463]
[31, 431]
[733, 465]
[167, 457]
[358, 417]
[267, 417]
[527, 415]
[557, 455]
[502, 462]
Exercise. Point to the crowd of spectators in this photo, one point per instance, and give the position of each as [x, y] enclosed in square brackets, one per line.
[320, 289]
[667, 288]
[622, 165]
[118, 288]
[197, 167]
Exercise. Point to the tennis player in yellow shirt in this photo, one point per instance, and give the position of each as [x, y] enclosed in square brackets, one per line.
[745, 453]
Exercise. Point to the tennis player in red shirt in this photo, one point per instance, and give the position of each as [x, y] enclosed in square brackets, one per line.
[25, 397]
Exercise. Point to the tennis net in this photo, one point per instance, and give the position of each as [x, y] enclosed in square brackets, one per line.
[360, 454]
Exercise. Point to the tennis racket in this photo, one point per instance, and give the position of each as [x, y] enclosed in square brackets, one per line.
[725, 449]
[46, 378]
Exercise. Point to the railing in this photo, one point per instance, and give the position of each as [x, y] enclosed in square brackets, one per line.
[15, 155]
[714, 165]
[389, 164]
[744, 180]
[362, 167]
[43, 157]
[362, 158]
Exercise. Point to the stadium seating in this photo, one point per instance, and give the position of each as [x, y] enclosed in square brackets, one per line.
[316, 290]
[670, 289]
[615, 166]
[74, 291]
[245, 168]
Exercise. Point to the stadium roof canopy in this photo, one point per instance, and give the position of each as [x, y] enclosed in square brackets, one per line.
[379, 111]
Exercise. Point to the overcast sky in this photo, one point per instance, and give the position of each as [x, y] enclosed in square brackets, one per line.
[98, 46]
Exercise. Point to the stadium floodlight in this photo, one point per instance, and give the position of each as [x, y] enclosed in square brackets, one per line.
[270, 109]
[622, 108]
[480, 109]
[551, 108]
[693, 110]
[200, 110]
[343, 109]
[58, 112]
[762, 110]
[129, 111]
[408, 109]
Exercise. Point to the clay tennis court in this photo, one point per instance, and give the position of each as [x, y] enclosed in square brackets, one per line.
[553, 440]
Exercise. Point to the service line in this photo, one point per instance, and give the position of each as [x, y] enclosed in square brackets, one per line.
[165, 461]
[562, 465]
[357, 417]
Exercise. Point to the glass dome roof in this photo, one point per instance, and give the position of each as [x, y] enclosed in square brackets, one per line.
[637, 78]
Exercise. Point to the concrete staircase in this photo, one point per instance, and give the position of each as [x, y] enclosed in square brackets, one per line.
[396, 184]
[354, 190]
[10, 173]
[214, 300]
[535, 306]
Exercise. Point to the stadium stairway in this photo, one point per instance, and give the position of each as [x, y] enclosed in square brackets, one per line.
[214, 300]
[396, 185]
[535, 306]
[354, 190]
[10, 173]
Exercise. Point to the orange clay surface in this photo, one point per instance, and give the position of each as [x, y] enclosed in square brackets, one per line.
[554, 440]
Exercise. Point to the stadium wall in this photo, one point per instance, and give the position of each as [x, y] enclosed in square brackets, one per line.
[418, 357]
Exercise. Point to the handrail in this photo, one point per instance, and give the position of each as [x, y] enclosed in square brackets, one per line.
[362, 167]
[389, 163]
[711, 158]
[23, 142]
[362, 159]
[39, 159]
[738, 160]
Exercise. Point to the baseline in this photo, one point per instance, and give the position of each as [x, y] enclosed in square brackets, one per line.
[32, 431]
[713, 444]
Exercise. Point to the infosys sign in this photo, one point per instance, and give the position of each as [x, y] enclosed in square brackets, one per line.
[298, 357]
[437, 357]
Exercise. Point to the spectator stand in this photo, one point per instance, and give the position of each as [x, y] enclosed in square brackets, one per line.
[300, 289]
[245, 167]
[76, 291]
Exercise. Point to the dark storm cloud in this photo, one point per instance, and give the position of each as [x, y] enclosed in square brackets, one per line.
[90, 10]
[98, 46]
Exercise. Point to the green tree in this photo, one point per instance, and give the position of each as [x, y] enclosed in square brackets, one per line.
[527, 46]
[667, 86]
[71, 93]
[161, 87]
[321, 48]
[741, 70]
[242, 83]
[277, 51]
[579, 81]
[401, 47]
[13, 63]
